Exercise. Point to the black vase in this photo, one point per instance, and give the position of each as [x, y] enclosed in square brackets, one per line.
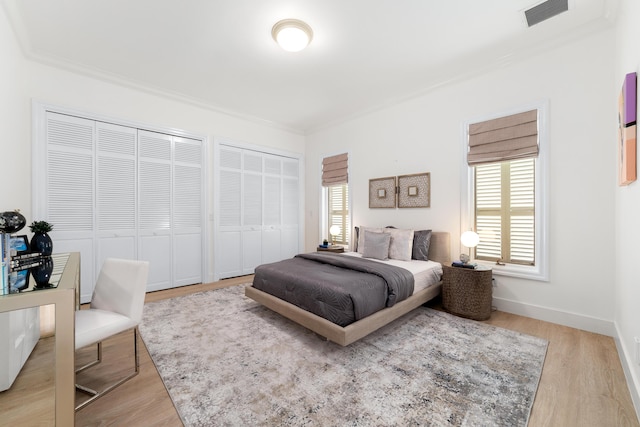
[42, 273]
[41, 243]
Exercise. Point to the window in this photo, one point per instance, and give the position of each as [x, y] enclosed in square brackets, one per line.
[505, 197]
[335, 200]
[505, 211]
[338, 213]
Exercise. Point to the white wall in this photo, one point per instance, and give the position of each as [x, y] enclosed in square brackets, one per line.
[627, 202]
[424, 135]
[22, 81]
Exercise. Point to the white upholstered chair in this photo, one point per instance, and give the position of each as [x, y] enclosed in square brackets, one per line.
[116, 306]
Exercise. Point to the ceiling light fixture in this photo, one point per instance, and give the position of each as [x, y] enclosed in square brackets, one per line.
[292, 35]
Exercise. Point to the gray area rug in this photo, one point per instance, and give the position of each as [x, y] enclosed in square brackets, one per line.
[228, 361]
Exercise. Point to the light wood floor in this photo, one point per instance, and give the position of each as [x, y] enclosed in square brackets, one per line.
[582, 381]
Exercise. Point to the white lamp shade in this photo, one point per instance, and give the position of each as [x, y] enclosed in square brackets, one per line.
[470, 239]
[292, 35]
[334, 230]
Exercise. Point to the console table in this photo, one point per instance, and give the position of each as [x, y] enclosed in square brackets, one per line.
[64, 297]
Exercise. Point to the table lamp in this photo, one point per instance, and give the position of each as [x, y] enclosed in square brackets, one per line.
[470, 239]
[334, 231]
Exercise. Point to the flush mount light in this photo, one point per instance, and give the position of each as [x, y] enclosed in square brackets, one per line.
[292, 35]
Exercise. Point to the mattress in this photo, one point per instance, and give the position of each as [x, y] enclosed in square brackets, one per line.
[425, 273]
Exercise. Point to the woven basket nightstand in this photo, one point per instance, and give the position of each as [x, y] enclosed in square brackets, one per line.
[467, 292]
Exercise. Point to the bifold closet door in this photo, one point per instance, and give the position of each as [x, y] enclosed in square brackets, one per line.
[258, 210]
[67, 189]
[252, 202]
[228, 237]
[290, 208]
[116, 191]
[116, 166]
[154, 206]
[187, 224]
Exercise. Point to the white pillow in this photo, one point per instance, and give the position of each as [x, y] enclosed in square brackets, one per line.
[401, 246]
[361, 231]
[376, 245]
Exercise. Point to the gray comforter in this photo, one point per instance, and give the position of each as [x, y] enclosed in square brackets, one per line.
[340, 288]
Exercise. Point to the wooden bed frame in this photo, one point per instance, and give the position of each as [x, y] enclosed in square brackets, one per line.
[439, 251]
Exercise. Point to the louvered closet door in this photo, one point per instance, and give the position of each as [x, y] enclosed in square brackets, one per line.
[290, 208]
[154, 206]
[187, 211]
[251, 211]
[272, 208]
[115, 192]
[70, 190]
[228, 241]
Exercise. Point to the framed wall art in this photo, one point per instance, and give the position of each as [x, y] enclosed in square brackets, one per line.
[382, 192]
[627, 131]
[414, 191]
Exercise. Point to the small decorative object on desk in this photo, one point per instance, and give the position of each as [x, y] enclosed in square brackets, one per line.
[41, 241]
[12, 221]
[42, 273]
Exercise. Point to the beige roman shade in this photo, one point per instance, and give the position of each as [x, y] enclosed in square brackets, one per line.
[505, 138]
[335, 170]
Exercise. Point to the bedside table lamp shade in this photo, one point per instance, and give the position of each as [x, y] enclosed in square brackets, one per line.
[470, 239]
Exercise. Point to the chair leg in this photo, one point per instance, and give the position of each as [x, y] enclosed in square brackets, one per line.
[93, 362]
[96, 394]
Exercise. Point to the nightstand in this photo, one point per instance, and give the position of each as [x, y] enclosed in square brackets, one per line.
[467, 292]
[334, 249]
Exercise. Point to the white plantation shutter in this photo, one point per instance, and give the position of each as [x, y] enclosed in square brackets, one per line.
[505, 211]
[488, 211]
[339, 212]
[522, 228]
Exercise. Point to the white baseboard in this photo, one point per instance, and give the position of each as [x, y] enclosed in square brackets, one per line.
[626, 359]
[573, 320]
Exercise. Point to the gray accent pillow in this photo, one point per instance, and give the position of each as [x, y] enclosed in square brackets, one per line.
[360, 241]
[401, 243]
[421, 243]
[375, 245]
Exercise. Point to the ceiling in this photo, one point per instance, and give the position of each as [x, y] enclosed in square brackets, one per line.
[219, 54]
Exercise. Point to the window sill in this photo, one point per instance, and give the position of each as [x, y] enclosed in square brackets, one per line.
[514, 270]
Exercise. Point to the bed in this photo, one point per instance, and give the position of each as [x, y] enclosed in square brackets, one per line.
[438, 252]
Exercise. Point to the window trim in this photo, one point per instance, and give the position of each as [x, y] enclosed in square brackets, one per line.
[323, 226]
[540, 271]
